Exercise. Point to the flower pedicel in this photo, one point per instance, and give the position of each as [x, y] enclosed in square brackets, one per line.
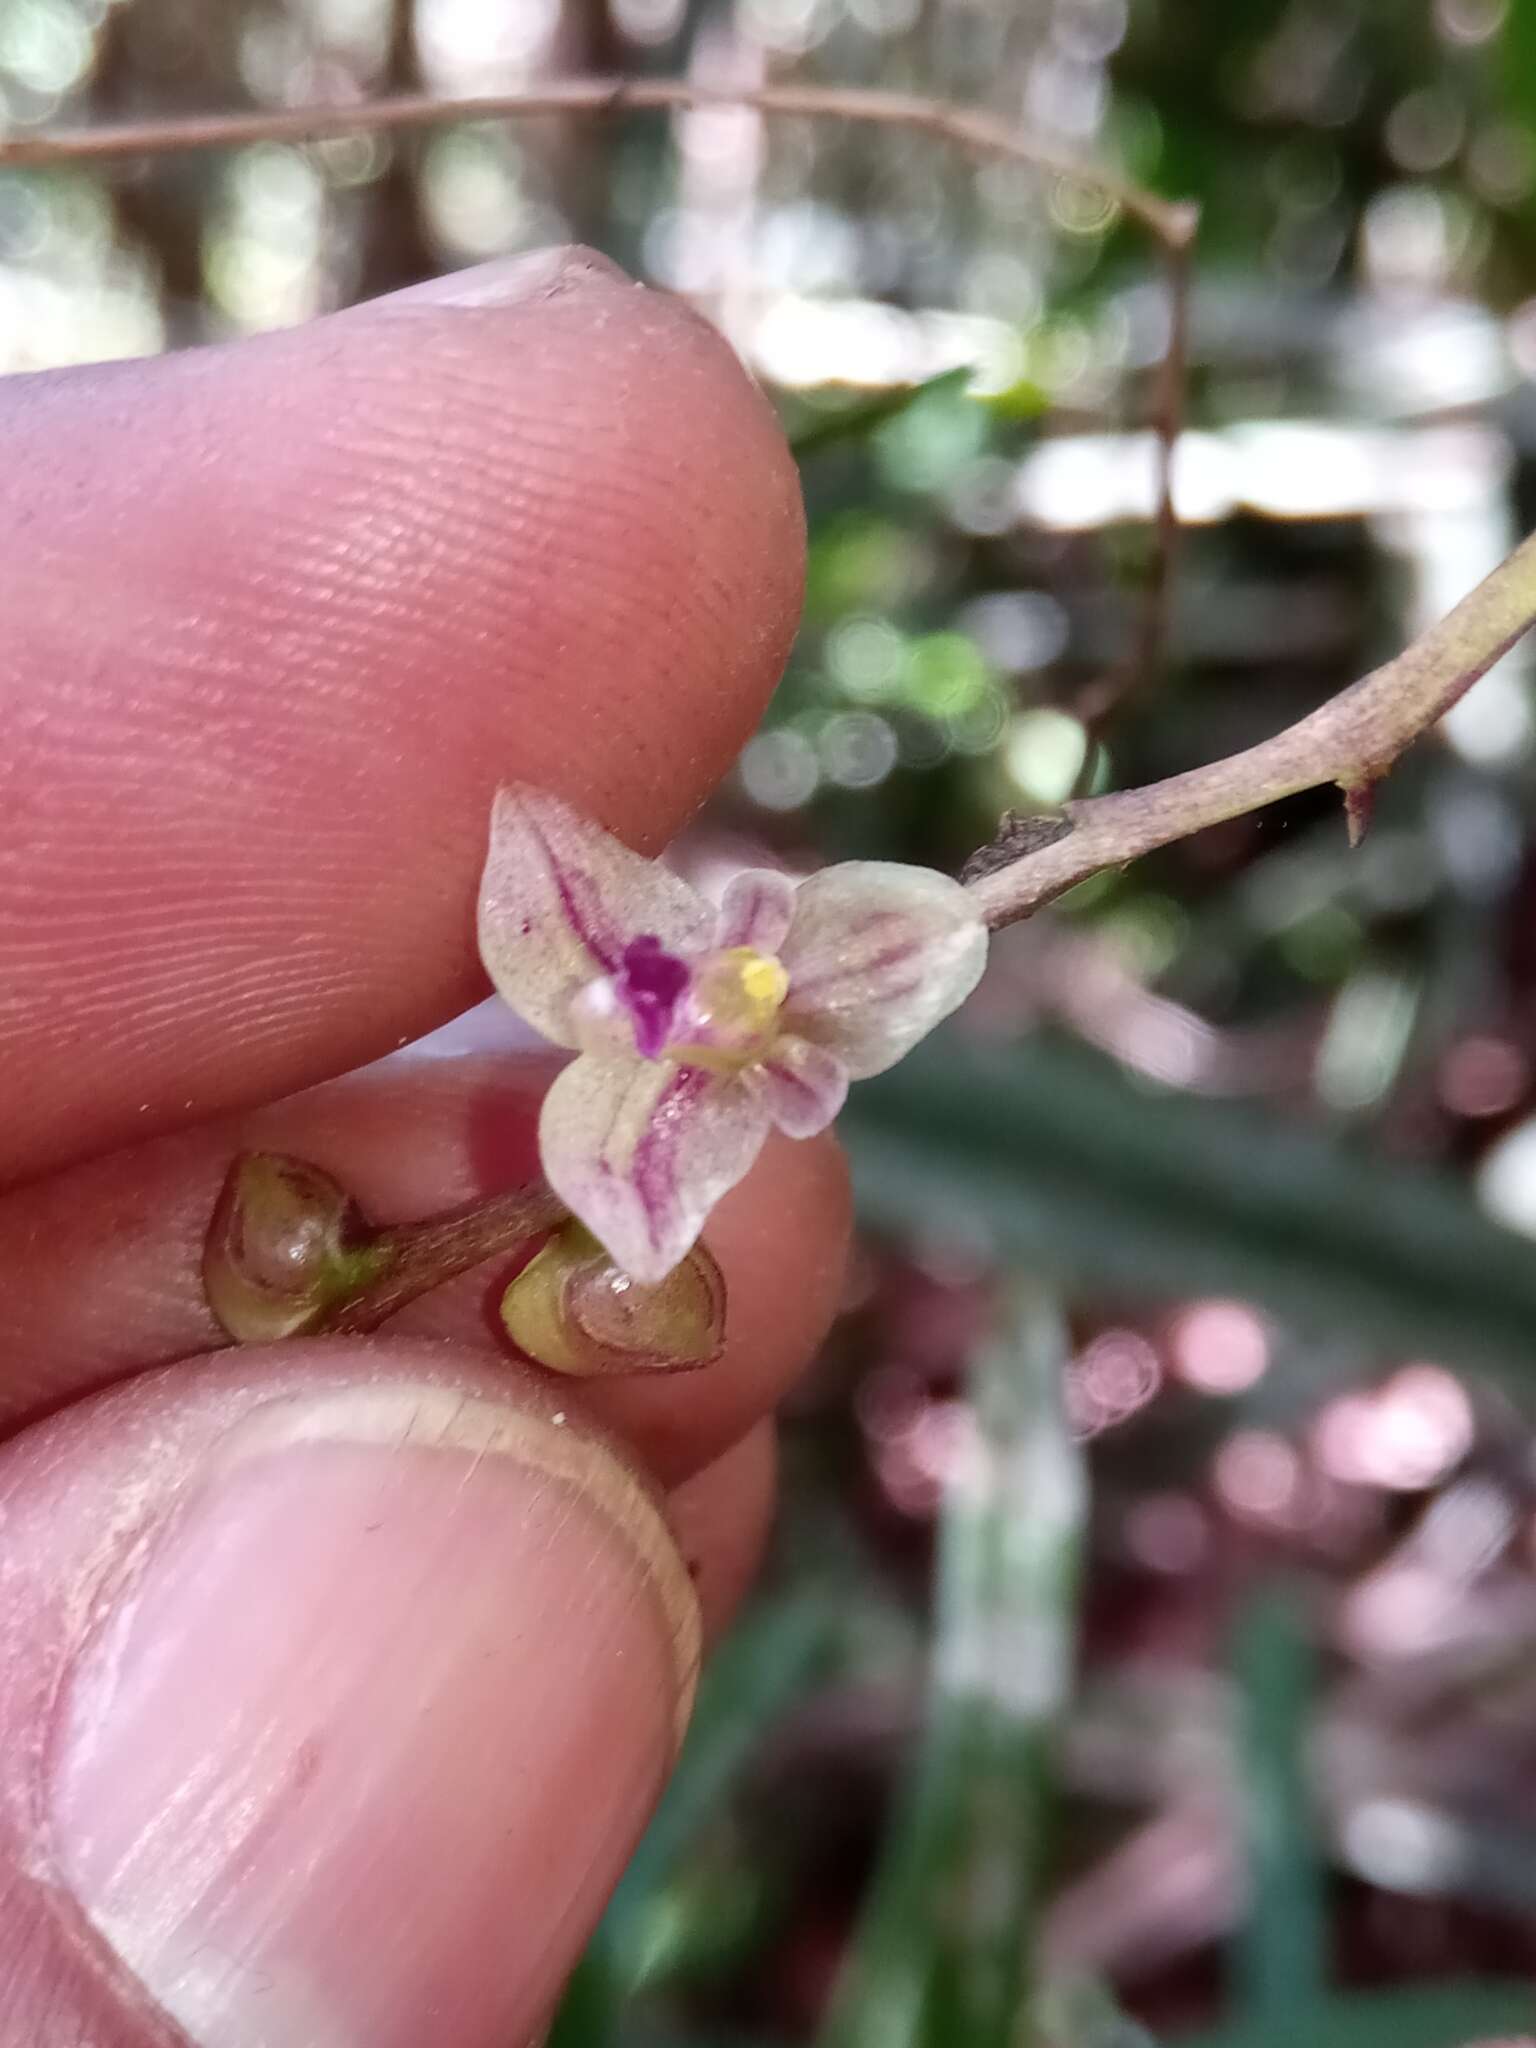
[700, 1029]
[697, 1030]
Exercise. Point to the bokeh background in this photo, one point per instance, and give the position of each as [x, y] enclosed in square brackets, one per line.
[1149, 1651]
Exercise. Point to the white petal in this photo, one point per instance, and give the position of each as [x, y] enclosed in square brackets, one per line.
[876, 955]
[756, 910]
[560, 900]
[801, 1086]
[641, 1151]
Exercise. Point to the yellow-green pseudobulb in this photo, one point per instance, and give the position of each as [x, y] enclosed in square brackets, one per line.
[571, 1309]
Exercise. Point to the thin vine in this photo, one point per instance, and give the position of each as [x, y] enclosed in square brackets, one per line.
[1353, 740]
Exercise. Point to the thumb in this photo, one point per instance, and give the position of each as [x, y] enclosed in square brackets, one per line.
[335, 1686]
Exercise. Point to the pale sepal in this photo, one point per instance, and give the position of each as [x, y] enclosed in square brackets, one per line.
[877, 954]
[561, 898]
[642, 1150]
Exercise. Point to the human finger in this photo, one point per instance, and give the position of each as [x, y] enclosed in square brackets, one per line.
[281, 616]
[338, 1681]
[721, 1518]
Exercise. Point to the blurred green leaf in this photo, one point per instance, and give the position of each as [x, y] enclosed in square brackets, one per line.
[772, 1655]
[1082, 2013]
[1281, 1968]
[1049, 1151]
[669, 2037]
[944, 1954]
[1516, 75]
[1419, 2016]
[858, 421]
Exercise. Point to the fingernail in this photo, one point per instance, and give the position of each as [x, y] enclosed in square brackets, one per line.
[511, 280]
[368, 1731]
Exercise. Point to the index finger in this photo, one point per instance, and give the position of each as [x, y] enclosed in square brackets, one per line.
[282, 615]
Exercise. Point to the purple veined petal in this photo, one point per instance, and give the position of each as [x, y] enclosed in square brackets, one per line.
[560, 901]
[802, 1086]
[642, 1150]
[877, 954]
[756, 910]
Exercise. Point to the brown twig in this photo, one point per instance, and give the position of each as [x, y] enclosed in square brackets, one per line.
[1171, 223]
[1149, 647]
[421, 1256]
[970, 128]
[1167, 424]
[1352, 740]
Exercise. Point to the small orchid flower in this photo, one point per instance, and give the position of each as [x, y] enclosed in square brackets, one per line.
[698, 1028]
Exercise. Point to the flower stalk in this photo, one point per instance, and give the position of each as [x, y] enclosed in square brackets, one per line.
[416, 1257]
[289, 1252]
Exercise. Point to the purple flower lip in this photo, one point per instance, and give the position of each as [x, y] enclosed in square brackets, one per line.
[650, 984]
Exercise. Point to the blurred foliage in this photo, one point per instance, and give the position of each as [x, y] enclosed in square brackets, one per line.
[662, 1921]
[1259, 1114]
[944, 1951]
[1282, 1950]
[1447, 2017]
[1051, 1149]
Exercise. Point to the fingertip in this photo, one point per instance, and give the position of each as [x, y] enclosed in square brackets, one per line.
[674, 432]
[379, 1614]
[529, 275]
[721, 1519]
[345, 580]
[782, 1239]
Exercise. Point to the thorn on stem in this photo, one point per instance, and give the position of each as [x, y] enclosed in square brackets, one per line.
[1183, 222]
[1359, 804]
